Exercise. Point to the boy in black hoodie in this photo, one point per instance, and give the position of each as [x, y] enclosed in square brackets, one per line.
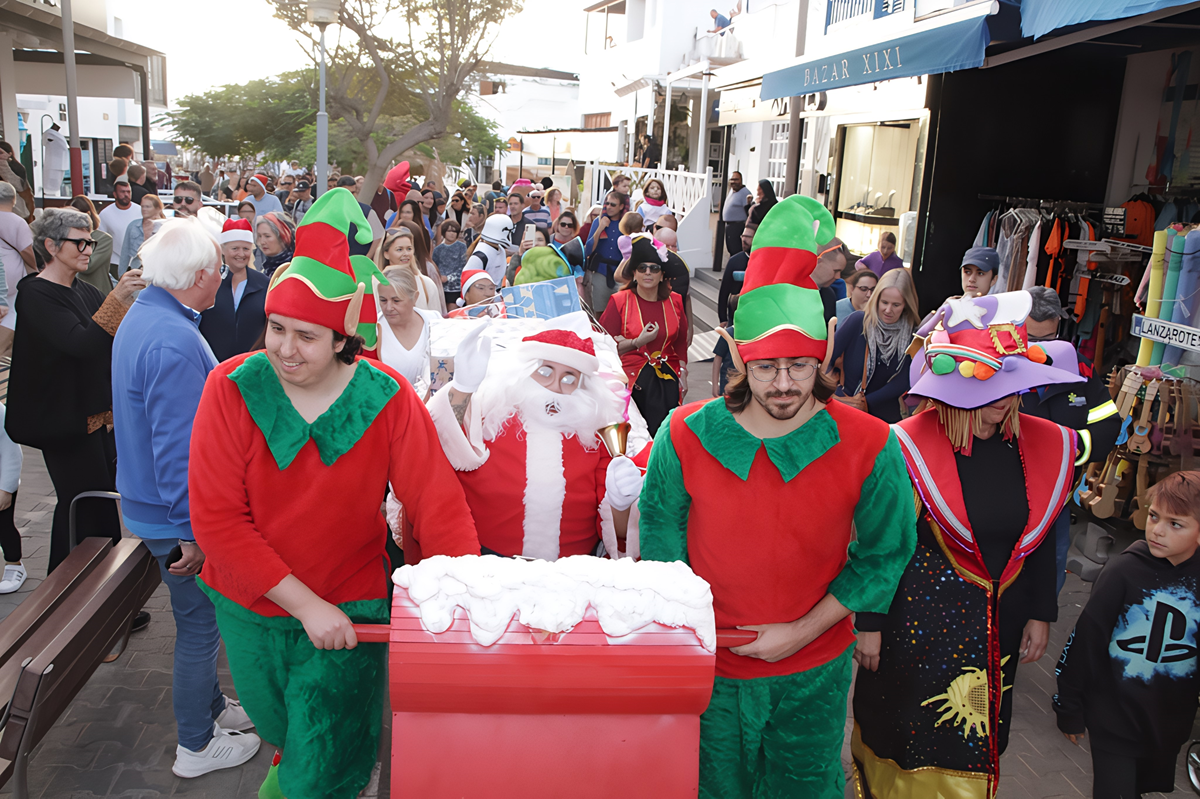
[1129, 670]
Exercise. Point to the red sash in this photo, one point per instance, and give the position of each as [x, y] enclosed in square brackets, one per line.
[1047, 456]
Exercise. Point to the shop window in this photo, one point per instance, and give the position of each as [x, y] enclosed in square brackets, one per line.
[875, 180]
[777, 153]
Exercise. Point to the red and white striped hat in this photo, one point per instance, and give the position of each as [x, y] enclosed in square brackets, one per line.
[237, 230]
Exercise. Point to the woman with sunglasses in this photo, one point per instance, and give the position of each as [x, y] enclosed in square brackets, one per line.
[649, 324]
[459, 209]
[140, 231]
[60, 386]
[402, 246]
[100, 263]
[601, 252]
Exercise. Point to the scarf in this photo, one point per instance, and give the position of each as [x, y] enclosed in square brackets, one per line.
[273, 262]
[885, 344]
[654, 202]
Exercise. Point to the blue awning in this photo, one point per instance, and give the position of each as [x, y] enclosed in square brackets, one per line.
[949, 48]
[164, 148]
[1039, 17]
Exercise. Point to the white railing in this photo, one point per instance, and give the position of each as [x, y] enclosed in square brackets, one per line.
[842, 10]
[685, 190]
[688, 195]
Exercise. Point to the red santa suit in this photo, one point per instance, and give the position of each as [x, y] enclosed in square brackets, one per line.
[533, 489]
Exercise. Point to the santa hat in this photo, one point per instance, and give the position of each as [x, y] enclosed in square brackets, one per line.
[261, 180]
[237, 230]
[320, 284]
[397, 180]
[470, 276]
[562, 346]
[780, 313]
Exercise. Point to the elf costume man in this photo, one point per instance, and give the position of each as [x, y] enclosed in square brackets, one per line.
[292, 451]
[796, 510]
[523, 439]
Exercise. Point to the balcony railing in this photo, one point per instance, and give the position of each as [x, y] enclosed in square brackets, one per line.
[842, 10]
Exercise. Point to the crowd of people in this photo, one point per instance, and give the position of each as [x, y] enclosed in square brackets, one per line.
[866, 485]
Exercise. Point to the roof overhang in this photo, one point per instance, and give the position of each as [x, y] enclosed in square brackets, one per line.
[46, 26]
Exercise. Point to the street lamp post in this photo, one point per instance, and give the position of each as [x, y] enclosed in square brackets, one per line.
[322, 13]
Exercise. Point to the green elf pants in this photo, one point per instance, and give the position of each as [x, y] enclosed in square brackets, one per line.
[322, 707]
[776, 736]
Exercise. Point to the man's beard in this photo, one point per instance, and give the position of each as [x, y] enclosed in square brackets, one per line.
[569, 414]
[783, 414]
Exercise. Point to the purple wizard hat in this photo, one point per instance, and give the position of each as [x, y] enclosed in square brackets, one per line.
[974, 351]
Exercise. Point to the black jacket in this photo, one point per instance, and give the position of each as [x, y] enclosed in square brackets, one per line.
[1079, 406]
[231, 332]
[1129, 670]
[62, 363]
[731, 284]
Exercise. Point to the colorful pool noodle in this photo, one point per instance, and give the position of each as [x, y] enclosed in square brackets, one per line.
[1174, 260]
[1154, 294]
[1185, 295]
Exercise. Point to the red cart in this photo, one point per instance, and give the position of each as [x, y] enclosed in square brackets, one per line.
[536, 714]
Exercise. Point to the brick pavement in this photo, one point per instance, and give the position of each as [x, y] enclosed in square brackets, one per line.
[118, 738]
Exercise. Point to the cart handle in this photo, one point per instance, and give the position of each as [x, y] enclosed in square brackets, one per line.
[381, 634]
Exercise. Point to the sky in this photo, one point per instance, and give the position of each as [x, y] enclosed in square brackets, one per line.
[234, 41]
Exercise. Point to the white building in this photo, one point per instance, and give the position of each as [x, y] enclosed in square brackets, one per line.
[532, 108]
[113, 76]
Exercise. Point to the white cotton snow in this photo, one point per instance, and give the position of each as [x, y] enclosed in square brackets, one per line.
[625, 595]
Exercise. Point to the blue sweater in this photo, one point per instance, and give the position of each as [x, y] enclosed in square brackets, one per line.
[160, 363]
[610, 253]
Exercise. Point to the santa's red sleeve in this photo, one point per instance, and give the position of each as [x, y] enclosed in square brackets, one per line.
[424, 482]
[463, 448]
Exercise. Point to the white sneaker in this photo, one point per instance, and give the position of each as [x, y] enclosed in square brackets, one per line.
[14, 578]
[233, 717]
[226, 750]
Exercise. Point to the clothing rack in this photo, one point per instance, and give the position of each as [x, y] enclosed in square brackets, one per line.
[1033, 202]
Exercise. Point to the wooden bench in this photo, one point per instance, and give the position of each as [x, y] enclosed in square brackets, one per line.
[58, 636]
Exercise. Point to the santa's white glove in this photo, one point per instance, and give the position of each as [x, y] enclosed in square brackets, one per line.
[471, 360]
[622, 483]
[647, 335]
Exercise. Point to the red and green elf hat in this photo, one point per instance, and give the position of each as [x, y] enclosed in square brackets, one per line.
[320, 285]
[779, 313]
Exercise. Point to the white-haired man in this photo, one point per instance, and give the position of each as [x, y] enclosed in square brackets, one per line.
[160, 362]
[537, 417]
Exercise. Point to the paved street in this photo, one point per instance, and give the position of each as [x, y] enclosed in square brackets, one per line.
[118, 738]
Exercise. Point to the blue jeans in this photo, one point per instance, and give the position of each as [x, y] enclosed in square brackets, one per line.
[1062, 543]
[195, 689]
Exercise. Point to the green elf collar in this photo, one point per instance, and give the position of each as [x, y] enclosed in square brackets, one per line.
[735, 448]
[335, 432]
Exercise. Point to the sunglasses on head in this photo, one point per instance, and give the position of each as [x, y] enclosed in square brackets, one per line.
[653, 269]
[184, 200]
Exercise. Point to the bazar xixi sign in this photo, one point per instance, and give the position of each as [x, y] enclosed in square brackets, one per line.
[958, 45]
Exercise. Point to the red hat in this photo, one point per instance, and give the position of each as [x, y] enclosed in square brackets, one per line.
[262, 180]
[470, 276]
[562, 346]
[397, 180]
[237, 230]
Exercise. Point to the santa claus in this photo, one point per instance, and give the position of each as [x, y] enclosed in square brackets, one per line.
[524, 443]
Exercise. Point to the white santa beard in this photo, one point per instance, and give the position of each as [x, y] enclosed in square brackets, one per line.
[545, 493]
[580, 413]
